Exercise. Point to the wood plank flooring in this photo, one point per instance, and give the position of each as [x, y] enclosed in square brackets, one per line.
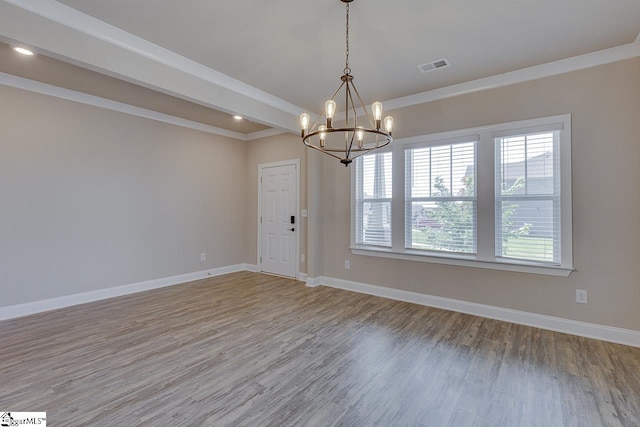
[253, 350]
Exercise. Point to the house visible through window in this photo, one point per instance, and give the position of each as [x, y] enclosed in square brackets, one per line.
[493, 197]
[528, 197]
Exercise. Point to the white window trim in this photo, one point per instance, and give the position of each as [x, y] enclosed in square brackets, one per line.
[485, 152]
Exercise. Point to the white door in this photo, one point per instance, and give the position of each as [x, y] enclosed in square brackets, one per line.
[279, 223]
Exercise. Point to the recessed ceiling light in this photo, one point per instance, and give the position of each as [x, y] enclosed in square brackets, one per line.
[237, 117]
[23, 51]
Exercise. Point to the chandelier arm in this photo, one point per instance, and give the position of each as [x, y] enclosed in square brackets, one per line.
[338, 90]
[366, 112]
[348, 152]
[323, 151]
[347, 145]
[353, 107]
[360, 153]
[355, 118]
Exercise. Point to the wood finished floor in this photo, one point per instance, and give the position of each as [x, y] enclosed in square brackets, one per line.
[254, 350]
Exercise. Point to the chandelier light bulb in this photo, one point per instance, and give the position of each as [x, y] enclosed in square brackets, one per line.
[322, 135]
[376, 108]
[304, 123]
[388, 124]
[330, 110]
[360, 136]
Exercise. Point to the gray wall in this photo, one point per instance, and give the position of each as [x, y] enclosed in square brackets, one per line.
[92, 198]
[605, 104]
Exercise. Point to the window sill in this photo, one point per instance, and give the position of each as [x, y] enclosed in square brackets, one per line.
[465, 261]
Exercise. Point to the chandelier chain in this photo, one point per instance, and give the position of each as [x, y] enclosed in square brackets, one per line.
[347, 70]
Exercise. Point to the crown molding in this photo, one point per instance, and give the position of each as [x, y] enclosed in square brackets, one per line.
[108, 104]
[549, 69]
[263, 134]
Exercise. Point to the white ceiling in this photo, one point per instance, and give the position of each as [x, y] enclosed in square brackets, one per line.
[294, 49]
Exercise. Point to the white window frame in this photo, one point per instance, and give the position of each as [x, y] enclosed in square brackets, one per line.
[485, 193]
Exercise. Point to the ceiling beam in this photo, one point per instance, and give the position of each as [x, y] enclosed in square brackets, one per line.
[65, 33]
[10, 80]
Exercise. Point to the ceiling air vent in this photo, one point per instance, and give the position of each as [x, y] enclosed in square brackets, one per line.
[432, 66]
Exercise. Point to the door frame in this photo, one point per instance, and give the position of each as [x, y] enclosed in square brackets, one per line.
[261, 167]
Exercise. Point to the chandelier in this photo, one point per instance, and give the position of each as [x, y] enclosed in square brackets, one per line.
[350, 139]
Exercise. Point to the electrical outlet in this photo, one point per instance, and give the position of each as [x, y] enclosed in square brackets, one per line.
[302, 257]
[203, 256]
[347, 264]
[581, 296]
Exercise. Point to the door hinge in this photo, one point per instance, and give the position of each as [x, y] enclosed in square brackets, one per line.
[260, 180]
[260, 260]
[260, 220]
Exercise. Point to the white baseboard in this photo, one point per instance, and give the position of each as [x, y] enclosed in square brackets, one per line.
[251, 267]
[302, 277]
[34, 307]
[312, 282]
[574, 327]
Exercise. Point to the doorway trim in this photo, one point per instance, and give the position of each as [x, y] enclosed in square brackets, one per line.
[261, 167]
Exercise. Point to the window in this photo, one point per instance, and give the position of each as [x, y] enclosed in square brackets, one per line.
[440, 188]
[491, 197]
[373, 199]
[528, 197]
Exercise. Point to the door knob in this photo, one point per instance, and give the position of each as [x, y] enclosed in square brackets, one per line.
[291, 229]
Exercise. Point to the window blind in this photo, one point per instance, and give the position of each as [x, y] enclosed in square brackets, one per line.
[528, 197]
[440, 197]
[373, 199]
